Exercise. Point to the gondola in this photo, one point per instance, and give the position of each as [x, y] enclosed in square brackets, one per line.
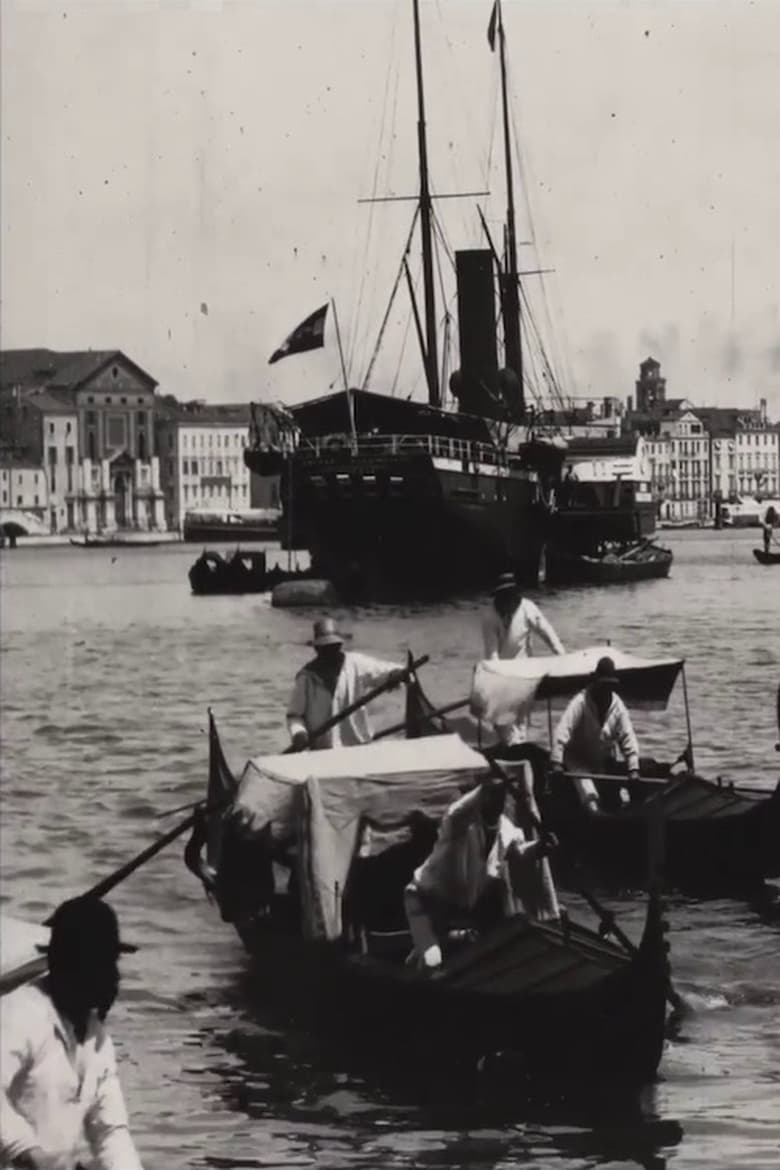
[243, 572]
[112, 542]
[333, 949]
[766, 558]
[643, 562]
[718, 838]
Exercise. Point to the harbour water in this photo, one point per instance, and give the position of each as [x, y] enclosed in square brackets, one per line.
[108, 667]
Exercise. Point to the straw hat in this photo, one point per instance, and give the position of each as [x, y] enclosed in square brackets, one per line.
[327, 633]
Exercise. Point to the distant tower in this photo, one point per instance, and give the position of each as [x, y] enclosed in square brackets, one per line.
[650, 386]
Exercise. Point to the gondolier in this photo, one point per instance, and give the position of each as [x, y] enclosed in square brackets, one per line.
[506, 633]
[595, 722]
[332, 681]
[767, 524]
[482, 863]
[60, 1085]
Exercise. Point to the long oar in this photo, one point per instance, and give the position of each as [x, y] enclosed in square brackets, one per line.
[38, 966]
[432, 714]
[606, 917]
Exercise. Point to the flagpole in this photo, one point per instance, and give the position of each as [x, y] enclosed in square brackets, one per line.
[348, 392]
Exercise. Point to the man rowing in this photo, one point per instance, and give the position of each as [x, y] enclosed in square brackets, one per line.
[767, 524]
[60, 1085]
[484, 865]
[595, 723]
[331, 682]
[506, 633]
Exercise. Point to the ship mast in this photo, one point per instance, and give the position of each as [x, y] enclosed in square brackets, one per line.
[431, 356]
[510, 298]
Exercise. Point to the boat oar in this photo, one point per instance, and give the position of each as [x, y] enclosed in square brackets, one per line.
[606, 917]
[397, 678]
[432, 714]
[38, 966]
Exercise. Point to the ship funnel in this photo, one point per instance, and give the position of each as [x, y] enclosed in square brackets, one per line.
[476, 384]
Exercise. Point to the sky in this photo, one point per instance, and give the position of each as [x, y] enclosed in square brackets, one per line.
[180, 180]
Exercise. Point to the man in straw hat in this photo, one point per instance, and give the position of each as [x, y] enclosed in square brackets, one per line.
[328, 684]
[506, 633]
[594, 724]
[60, 1085]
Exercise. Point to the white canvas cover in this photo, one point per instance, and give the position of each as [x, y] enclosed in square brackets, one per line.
[505, 690]
[397, 773]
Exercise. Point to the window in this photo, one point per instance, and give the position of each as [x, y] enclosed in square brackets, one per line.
[36, 501]
[70, 456]
[140, 401]
[114, 372]
[5, 497]
[67, 428]
[51, 428]
[194, 466]
[18, 501]
[123, 401]
[53, 456]
[219, 467]
[18, 479]
[108, 400]
[91, 418]
[90, 398]
[116, 430]
[35, 479]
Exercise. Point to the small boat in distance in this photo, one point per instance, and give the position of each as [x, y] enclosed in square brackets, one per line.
[113, 542]
[636, 562]
[766, 558]
[244, 572]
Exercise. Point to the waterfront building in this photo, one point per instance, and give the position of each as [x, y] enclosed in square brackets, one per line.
[202, 462]
[86, 419]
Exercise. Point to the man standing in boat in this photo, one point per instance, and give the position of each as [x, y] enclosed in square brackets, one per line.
[767, 524]
[331, 682]
[506, 633]
[594, 724]
[60, 1088]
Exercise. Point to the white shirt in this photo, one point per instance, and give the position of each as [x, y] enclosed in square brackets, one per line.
[57, 1094]
[512, 638]
[311, 703]
[586, 744]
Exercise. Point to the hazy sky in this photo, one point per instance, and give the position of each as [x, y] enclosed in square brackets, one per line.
[180, 180]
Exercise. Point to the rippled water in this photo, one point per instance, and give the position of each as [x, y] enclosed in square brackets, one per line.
[108, 666]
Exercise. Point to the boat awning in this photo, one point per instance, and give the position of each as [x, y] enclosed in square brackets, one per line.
[505, 690]
[382, 781]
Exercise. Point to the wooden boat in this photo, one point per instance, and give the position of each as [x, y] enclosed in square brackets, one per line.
[639, 562]
[766, 558]
[111, 542]
[243, 572]
[718, 838]
[333, 949]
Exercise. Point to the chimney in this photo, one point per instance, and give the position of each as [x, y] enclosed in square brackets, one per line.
[762, 411]
[478, 380]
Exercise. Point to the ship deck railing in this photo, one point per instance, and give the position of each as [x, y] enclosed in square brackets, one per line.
[460, 450]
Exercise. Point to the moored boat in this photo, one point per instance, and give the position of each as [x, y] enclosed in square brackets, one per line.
[718, 837]
[766, 558]
[333, 948]
[243, 572]
[642, 561]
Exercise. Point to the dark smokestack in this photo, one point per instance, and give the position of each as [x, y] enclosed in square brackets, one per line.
[478, 382]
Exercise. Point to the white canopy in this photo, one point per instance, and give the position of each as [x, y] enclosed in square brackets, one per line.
[405, 769]
[505, 690]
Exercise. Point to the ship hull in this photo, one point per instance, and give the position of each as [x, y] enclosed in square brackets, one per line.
[407, 526]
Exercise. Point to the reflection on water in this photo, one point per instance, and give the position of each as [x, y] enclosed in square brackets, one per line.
[108, 666]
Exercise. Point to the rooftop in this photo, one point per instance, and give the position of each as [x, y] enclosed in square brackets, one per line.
[26, 369]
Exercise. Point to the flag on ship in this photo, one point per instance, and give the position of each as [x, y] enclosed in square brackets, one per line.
[310, 334]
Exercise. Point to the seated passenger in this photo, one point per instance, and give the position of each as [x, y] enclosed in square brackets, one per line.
[483, 863]
[593, 725]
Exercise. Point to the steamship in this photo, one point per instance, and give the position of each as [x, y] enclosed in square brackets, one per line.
[392, 496]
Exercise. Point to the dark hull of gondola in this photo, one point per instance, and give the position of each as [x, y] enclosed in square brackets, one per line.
[560, 1003]
[766, 558]
[717, 839]
[564, 568]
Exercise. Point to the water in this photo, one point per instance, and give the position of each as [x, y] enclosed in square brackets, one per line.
[108, 666]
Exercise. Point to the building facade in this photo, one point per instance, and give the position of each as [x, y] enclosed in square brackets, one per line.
[87, 419]
[202, 460]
